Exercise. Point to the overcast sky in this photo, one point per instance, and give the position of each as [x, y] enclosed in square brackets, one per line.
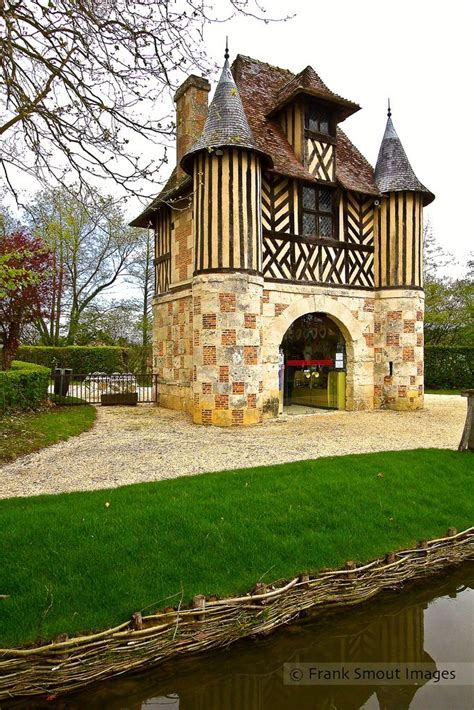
[417, 52]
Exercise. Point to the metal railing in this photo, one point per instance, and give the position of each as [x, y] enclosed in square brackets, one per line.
[67, 387]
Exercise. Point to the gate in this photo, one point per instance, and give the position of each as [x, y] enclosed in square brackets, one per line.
[67, 387]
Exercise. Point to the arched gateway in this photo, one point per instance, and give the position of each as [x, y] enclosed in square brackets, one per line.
[324, 349]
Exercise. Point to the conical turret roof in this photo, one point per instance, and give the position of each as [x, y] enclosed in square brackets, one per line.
[393, 172]
[226, 124]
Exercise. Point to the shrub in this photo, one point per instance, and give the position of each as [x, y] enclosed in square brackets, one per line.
[25, 386]
[449, 367]
[80, 359]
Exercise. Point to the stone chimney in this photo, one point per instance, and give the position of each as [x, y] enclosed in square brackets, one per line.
[191, 114]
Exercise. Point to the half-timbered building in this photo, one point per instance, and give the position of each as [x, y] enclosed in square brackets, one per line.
[288, 270]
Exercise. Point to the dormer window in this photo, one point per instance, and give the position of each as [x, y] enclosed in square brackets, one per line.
[318, 220]
[317, 120]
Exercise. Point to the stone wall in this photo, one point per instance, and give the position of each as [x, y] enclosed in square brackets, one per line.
[216, 348]
[227, 377]
[173, 350]
[399, 341]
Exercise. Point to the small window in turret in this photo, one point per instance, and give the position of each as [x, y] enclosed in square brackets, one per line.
[317, 211]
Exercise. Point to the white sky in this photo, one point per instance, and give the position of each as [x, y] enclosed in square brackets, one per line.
[417, 52]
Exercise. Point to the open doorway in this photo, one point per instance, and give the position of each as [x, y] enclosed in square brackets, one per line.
[313, 354]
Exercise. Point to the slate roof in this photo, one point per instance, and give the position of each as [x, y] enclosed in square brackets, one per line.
[226, 123]
[393, 172]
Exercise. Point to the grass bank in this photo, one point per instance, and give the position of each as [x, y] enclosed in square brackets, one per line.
[83, 561]
[23, 433]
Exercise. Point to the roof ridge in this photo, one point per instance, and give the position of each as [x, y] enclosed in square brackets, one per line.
[265, 64]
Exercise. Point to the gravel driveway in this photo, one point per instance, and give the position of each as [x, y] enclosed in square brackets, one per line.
[145, 443]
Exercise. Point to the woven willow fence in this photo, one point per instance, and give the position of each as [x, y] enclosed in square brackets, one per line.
[69, 664]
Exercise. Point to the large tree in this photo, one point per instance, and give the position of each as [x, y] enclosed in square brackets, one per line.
[91, 244]
[82, 82]
[26, 286]
[449, 302]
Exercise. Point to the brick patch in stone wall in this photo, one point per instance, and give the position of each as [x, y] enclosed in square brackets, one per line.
[369, 305]
[402, 390]
[408, 355]
[209, 355]
[419, 340]
[279, 308]
[266, 296]
[207, 387]
[209, 320]
[222, 401]
[252, 401]
[393, 339]
[227, 302]
[408, 326]
[419, 315]
[197, 305]
[394, 315]
[223, 373]
[237, 417]
[207, 416]
[250, 320]
[197, 337]
[238, 387]
[369, 339]
[228, 337]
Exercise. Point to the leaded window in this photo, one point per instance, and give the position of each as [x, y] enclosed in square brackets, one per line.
[317, 209]
[317, 120]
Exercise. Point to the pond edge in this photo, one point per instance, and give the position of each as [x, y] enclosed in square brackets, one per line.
[71, 664]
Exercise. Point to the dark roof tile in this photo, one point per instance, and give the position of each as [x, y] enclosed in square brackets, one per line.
[393, 172]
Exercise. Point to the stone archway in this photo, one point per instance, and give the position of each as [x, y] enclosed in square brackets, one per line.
[360, 365]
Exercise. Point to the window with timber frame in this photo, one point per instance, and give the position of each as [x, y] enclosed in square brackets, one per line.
[318, 212]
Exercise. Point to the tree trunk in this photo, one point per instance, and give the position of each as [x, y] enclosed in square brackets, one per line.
[10, 345]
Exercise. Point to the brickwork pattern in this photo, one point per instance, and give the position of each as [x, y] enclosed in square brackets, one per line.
[227, 352]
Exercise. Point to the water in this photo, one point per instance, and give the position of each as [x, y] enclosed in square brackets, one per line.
[430, 623]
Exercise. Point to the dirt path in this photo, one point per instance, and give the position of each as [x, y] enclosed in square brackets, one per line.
[131, 445]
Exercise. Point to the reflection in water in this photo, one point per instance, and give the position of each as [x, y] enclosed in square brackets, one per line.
[249, 675]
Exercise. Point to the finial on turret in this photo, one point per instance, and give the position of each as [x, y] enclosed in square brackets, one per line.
[389, 110]
[226, 53]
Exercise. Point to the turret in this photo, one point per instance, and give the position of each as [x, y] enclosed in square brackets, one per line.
[399, 241]
[225, 163]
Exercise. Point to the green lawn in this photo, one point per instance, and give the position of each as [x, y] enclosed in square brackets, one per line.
[81, 561]
[24, 433]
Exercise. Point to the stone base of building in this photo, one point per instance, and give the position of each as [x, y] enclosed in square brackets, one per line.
[216, 346]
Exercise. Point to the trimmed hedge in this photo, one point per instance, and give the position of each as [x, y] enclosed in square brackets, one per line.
[80, 359]
[25, 386]
[449, 367]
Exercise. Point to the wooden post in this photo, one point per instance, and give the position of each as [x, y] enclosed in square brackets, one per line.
[199, 602]
[467, 439]
[136, 622]
[350, 564]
